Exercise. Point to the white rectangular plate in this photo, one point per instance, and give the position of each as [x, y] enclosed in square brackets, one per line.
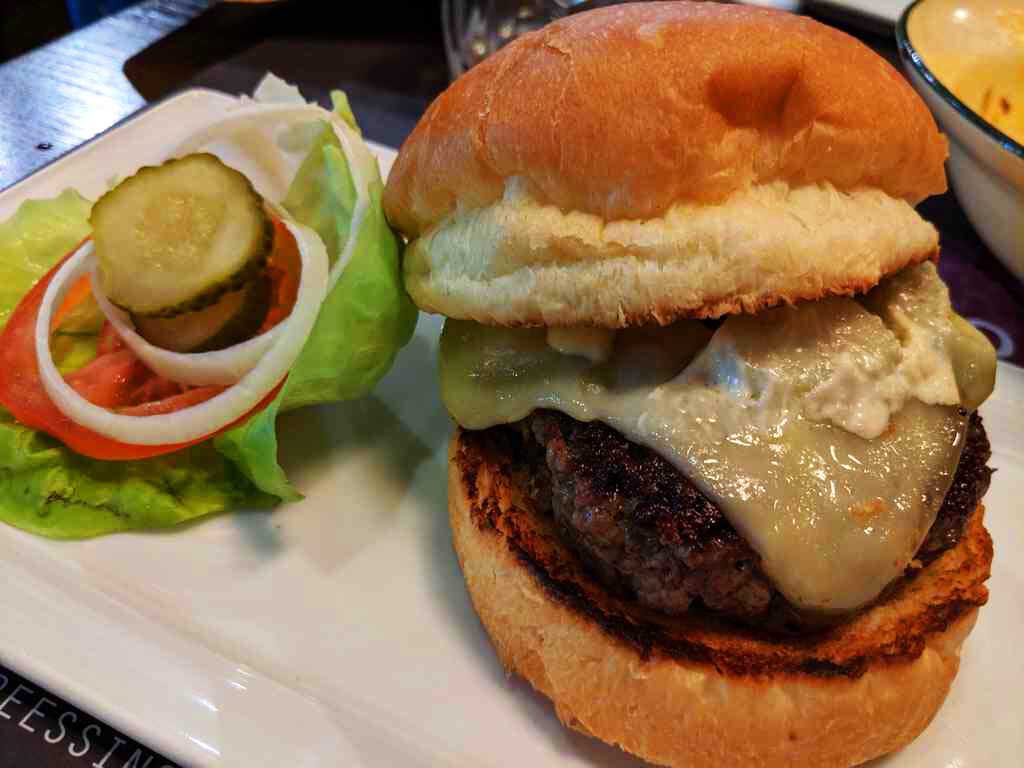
[337, 631]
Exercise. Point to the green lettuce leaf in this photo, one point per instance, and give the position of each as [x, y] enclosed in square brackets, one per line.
[74, 342]
[322, 195]
[34, 239]
[362, 324]
[47, 489]
[339, 100]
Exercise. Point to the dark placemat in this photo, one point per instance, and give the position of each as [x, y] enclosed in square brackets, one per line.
[983, 290]
[40, 730]
[56, 97]
[369, 72]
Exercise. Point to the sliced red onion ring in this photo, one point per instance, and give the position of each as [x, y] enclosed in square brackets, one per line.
[222, 367]
[199, 420]
[227, 366]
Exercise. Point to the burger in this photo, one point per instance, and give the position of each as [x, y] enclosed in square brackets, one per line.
[716, 481]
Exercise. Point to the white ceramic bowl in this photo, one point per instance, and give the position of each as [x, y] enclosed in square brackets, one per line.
[946, 46]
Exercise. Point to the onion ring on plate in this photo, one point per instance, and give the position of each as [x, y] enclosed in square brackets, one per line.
[199, 420]
[222, 367]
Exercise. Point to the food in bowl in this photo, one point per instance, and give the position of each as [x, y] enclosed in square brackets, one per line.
[964, 57]
[976, 49]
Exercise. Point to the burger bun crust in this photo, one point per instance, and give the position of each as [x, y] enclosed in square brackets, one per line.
[692, 691]
[652, 161]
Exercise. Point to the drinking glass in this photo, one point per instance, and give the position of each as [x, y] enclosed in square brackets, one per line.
[474, 29]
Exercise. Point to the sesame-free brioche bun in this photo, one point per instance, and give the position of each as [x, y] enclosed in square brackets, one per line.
[693, 691]
[652, 161]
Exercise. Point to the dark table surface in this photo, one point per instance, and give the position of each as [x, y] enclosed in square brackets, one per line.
[391, 64]
[59, 96]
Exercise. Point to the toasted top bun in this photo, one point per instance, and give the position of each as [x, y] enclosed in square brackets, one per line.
[579, 155]
[692, 691]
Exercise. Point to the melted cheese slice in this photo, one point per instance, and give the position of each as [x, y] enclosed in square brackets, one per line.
[827, 433]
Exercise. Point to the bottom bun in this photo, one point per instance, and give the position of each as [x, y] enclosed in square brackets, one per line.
[693, 690]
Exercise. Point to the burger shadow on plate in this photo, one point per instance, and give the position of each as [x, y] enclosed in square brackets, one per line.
[445, 576]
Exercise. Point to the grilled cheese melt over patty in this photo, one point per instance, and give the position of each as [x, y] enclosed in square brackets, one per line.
[827, 434]
[649, 534]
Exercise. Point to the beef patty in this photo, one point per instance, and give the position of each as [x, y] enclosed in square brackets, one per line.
[648, 533]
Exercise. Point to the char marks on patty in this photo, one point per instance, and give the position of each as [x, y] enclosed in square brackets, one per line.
[648, 534]
[492, 509]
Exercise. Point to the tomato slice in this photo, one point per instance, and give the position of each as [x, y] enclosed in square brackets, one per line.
[157, 388]
[109, 340]
[285, 267]
[109, 380]
[78, 293]
[113, 379]
[171, 403]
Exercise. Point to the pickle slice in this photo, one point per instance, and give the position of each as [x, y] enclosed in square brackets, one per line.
[174, 238]
[974, 363]
[234, 318]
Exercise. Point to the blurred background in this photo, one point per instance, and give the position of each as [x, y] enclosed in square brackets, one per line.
[409, 47]
[28, 24]
[24, 25]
